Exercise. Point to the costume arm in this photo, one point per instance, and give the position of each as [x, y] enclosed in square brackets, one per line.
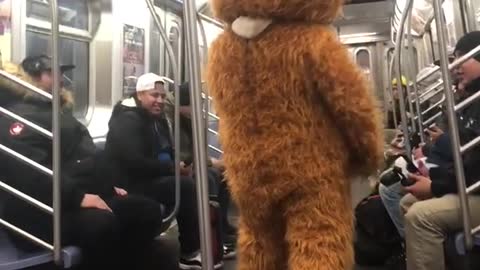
[343, 90]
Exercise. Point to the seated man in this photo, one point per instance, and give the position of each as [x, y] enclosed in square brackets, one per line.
[216, 167]
[140, 151]
[432, 209]
[109, 225]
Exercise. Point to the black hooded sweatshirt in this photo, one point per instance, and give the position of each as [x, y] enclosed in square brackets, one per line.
[134, 142]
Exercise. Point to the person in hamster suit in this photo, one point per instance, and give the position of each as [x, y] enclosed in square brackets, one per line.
[297, 123]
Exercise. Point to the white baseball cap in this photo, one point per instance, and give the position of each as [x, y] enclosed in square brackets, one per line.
[147, 82]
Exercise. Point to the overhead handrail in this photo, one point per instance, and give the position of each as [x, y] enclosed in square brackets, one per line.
[398, 66]
[452, 123]
[453, 65]
[45, 208]
[22, 120]
[176, 81]
[190, 16]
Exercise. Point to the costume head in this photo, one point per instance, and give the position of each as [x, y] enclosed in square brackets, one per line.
[317, 11]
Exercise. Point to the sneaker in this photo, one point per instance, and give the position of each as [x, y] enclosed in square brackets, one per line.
[195, 263]
[229, 252]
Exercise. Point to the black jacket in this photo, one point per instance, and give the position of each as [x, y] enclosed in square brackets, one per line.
[443, 178]
[79, 163]
[134, 142]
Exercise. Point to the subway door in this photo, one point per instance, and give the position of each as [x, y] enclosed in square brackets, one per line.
[365, 57]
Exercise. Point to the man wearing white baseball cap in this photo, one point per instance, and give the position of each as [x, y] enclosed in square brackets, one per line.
[140, 149]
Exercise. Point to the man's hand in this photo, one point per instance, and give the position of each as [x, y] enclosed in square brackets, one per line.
[120, 191]
[434, 133]
[186, 170]
[94, 201]
[218, 164]
[422, 189]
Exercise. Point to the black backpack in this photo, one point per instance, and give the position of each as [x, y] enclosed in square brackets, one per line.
[377, 238]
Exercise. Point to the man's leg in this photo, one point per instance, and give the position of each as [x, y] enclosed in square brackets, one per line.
[391, 197]
[426, 225]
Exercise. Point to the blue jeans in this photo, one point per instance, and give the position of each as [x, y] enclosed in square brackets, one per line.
[391, 197]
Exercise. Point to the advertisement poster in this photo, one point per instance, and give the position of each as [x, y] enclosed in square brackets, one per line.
[133, 57]
[5, 16]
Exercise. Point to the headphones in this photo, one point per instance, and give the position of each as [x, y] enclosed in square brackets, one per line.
[34, 66]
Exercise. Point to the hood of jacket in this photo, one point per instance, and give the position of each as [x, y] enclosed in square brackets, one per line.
[11, 92]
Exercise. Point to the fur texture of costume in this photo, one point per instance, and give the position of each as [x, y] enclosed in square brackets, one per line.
[298, 121]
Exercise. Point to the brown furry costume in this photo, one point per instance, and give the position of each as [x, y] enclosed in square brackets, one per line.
[297, 122]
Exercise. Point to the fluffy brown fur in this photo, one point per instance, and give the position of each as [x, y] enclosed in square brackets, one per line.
[297, 122]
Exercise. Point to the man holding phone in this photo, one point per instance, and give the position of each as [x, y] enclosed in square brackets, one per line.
[432, 207]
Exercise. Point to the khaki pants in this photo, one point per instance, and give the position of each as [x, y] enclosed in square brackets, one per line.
[426, 225]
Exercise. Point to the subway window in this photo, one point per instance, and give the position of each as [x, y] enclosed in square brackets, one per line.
[73, 43]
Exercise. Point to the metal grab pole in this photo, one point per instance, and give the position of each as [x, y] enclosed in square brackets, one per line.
[56, 142]
[468, 11]
[409, 90]
[190, 13]
[398, 55]
[452, 123]
[412, 74]
[176, 83]
[206, 101]
[390, 88]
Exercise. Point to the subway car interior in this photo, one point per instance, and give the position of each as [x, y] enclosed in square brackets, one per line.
[112, 43]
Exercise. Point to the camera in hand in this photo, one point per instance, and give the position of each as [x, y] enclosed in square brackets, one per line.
[399, 172]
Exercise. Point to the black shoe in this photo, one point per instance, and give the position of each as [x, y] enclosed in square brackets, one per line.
[229, 252]
[195, 263]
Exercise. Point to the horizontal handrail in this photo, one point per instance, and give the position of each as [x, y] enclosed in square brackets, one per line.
[470, 145]
[25, 234]
[210, 20]
[453, 65]
[460, 106]
[30, 124]
[476, 230]
[433, 106]
[213, 132]
[473, 187]
[215, 149]
[45, 208]
[431, 88]
[25, 84]
[433, 118]
[26, 160]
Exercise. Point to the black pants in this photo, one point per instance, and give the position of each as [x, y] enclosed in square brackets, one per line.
[163, 191]
[108, 240]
